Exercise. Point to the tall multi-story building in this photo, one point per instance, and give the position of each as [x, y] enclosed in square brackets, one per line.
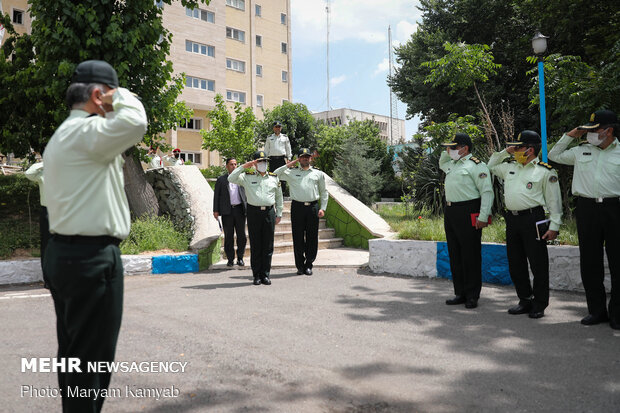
[342, 116]
[240, 49]
[18, 12]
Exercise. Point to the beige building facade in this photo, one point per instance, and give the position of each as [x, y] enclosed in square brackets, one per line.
[240, 49]
[337, 117]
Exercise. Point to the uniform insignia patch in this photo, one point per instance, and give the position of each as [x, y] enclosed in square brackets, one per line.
[482, 175]
[553, 179]
[272, 174]
[511, 172]
[475, 160]
[529, 185]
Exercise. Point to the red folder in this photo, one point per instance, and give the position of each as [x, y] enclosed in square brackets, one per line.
[474, 218]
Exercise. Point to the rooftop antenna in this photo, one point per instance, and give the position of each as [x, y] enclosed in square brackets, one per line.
[327, 58]
[394, 123]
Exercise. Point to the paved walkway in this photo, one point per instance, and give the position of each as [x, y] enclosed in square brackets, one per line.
[331, 257]
[341, 341]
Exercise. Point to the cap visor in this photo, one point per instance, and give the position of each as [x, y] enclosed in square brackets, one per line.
[589, 126]
[515, 143]
[449, 144]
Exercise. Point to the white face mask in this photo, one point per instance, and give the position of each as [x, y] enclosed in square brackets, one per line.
[261, 167]
[594, 138]
[454, 154]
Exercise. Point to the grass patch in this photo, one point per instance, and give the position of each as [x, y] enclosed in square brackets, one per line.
[421, 225]
[153, 234]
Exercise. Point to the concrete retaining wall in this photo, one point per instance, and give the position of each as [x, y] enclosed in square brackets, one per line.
[430, 259]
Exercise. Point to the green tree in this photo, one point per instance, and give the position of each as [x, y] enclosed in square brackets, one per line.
[297, 123]
[357, 172]
[231, 138]
[127, 34]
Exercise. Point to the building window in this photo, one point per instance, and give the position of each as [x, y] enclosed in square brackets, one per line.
[193, 157]
[235, 96]
[235, 34]
[18, 16]
[159, 3]
[204, 15]
[197, 83]
[237, 4]
[259, 100]
[284, 76]
[236, 65]
[259, 40]
[257, 10]
[191, 123]
[259, 70]
[284, 47]
[199, 48]
[283, 18]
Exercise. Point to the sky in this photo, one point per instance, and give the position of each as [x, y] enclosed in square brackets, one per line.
[358, 53]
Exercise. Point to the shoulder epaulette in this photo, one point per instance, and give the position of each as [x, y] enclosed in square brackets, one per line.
[583, 143]
[272, 174]
[250, 173]
[314, 167]
[475, 160]
[545, 165]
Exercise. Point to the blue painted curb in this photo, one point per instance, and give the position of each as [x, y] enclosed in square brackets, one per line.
[494, 263]
[175, 264]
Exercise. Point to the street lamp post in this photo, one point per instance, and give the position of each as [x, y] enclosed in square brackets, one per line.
[539, 44]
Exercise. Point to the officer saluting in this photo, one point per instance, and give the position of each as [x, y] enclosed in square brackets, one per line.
[89, 216]
[262, 190]
[528, 185]
[469, 196]
[277, 147]
[596, 184]
[307, 186]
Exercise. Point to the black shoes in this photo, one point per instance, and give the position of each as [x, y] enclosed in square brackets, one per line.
[615, 324]
[471, 303]
[265, 280]
[256, 281]
[459, 299]
[300, 272]
[229, 263]
[592, 319]
[520, 309]
[308, 271]
[537, 314]
[240, 262]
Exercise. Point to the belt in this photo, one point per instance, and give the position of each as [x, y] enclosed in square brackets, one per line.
[471, 201]
[304, 203]
[601, 200]
[236, 205]
[527, 211]
[262, 208]
[84, 239]
[277, 156]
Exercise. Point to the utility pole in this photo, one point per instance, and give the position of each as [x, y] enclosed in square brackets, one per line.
[327, 57]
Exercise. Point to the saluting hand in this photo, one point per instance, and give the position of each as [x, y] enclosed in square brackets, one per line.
[576, 133]
[250, 164]
[291, 163]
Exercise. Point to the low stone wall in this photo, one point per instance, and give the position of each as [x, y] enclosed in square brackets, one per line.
[430, 259]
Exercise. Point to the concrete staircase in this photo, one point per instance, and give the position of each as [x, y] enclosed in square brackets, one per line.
[283, 236]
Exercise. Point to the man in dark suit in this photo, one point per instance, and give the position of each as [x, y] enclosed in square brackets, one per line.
[229, 203]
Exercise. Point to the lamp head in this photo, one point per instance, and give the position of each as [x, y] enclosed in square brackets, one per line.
[539, 43]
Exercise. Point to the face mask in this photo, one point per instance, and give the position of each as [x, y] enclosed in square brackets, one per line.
[521, 157]
[176, 155]
[594, 138]
[261, 167]
[454, 154]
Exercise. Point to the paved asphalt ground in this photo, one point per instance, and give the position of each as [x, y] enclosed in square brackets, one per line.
[343, 340]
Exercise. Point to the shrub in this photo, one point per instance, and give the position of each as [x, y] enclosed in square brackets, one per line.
[154, 233]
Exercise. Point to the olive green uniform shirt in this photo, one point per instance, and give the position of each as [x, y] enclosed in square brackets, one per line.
[597, 171]
[306, 185]
[528, 186]
[84, 184]
[467, 179]
[260, 190]
[35, 174]
[278, 145]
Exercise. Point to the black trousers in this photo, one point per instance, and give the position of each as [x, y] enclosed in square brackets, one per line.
[86, 283]
[44, 231]
[305, 225]
[235, 222]
[261, 226]
[598, 227]
[274, 163]
[521, 247]
[464, 248]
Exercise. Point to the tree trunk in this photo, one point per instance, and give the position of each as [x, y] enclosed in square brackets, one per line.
[484, 108]
[140, 194]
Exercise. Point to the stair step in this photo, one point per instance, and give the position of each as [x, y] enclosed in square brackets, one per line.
[287, 246]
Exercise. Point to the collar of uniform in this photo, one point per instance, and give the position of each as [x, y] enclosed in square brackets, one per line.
[464, 158]
[533, 162]
[78, 113]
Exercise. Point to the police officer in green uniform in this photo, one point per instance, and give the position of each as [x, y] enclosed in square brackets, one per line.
[309, 201]
[469, 196]
[596, 184]
[88, 217]
[262, 190]
[278, 149]
[528, 185]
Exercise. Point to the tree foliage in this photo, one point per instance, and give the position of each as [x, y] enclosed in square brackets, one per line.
[232, 138]
[127, 34]
[297, 123]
